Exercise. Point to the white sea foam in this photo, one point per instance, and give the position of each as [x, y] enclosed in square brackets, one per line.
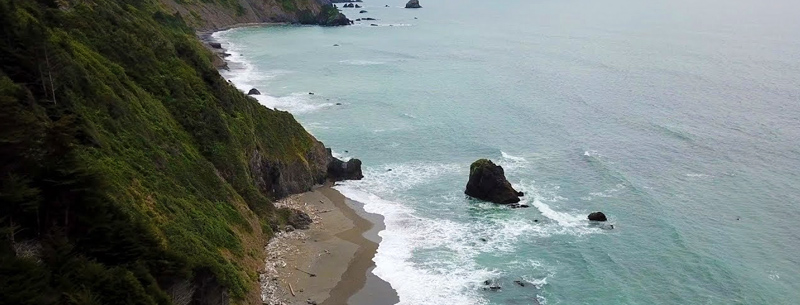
[609, 193]
[294, 103]
[453, 282]
[572, 222]
[360, 62]
[367, 23]
[451, 275]
[244, 75]
[432, 260]
[340, 156]
[511, 163]
[512, 158]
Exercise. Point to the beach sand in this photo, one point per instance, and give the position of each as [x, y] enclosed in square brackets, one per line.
[337, 249]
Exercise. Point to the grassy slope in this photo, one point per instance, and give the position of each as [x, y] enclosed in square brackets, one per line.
[126, 155]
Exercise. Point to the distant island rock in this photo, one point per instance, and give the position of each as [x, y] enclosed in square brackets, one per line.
[253, 91]
[597, 216]
[413, 4]
[487, 181]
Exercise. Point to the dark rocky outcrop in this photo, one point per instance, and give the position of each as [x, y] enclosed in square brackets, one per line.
[487, 181]
[215, 45]
[597, 216]
[368, 18]
[413, 4]
[328, 16]
[253, 91]
[349, 5]
[299, 220]
[362, 11]
[278, 179]
[339, 170]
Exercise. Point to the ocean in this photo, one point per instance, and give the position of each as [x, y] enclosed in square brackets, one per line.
[678, 119]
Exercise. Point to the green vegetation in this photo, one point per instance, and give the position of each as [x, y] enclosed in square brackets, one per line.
[288, 5]
[480, 163]
[124, 157]
[328, 16]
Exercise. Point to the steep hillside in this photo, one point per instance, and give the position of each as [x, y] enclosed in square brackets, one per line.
[130, 171]
[207, 15]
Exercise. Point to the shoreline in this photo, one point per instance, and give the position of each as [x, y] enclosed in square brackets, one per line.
[338, 247]
[334, 249]
[206, 38]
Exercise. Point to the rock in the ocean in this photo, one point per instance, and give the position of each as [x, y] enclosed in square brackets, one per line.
[339, 170]
[349, 5]
[597, 216]
[362, 11]
[413, 4]
[487, 181]
[368, 18]
[253, 91]
[215, 45]
[358, 6]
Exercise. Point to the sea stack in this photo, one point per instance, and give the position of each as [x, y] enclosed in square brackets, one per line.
[487, 181]
[597, 216]
[253, 91]
[413, 4]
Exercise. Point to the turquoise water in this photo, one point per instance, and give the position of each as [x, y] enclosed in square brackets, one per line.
[678, 119]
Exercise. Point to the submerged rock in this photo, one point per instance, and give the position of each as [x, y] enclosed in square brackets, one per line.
[487, 181]
[413, 4]
[597, 216]
[253, 91]
[362, 11]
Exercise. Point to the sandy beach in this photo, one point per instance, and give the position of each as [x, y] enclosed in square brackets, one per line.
[330, 263]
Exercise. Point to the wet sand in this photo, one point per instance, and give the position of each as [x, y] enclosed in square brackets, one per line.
[337, 249]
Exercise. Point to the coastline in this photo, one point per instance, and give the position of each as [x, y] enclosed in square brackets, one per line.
[334, 249]
[338, 247]
[206, 37]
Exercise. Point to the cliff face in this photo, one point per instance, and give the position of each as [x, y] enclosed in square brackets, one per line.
[132, 172]
[215, 15]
